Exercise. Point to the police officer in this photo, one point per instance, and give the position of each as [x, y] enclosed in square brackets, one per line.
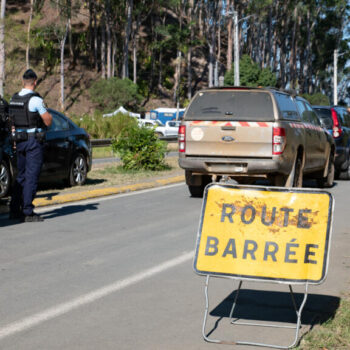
[29, 118]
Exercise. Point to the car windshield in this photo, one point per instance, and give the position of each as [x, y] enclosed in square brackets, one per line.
[231, 105]
[325, 116]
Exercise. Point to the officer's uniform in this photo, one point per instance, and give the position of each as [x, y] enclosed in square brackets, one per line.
[25, 109]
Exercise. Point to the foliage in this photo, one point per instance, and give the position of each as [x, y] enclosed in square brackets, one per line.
[333, 334]
[317, 99]
[109, 94]
[140, 149]
[99, 127]
[251, 74]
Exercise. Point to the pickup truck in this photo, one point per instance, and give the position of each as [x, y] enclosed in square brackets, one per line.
[250, 133]
[169, 130]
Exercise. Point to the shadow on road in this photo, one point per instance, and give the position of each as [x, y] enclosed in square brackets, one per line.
[269, 306]
[68, 210]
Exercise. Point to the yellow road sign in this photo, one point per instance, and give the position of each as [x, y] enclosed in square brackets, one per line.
[264, 233]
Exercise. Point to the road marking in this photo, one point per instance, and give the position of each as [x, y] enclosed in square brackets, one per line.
[61, 309]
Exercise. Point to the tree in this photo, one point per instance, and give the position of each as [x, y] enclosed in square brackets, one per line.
[251, 74]
[2, 46]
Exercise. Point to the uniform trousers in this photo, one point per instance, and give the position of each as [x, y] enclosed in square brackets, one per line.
[29, 163]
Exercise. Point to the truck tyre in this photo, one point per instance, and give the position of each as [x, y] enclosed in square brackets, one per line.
[296, 176]
[345, 174]
[329, 179]
[294, 179]
[196, 191]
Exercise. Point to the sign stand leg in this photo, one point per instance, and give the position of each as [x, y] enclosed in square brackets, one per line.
[297, 327]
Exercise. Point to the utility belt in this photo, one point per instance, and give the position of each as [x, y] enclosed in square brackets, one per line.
[25, 134]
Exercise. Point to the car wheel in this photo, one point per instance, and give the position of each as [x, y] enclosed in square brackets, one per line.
[329, 179]
[78, 171]
[5, 179]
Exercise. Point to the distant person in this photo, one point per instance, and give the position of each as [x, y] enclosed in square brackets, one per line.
[29, 118]
[142, 115]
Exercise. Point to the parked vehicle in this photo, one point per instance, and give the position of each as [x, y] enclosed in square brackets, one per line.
[167, 114]
[150, 123]
[250, 133]
[169, 130]
[67, 155]
[336, 120]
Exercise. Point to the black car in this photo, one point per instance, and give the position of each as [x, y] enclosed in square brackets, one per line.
[336, 120]
[67, 155]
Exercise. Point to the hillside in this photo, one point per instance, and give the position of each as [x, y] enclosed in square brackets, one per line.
[78, 74]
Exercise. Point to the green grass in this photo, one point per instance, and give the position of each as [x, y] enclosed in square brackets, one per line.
[106, 152]
[333, 334]
[102, 152]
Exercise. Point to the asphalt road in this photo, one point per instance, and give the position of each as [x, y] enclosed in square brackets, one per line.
[116, 273]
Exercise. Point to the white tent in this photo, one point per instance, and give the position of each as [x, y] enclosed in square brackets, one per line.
[122, 110]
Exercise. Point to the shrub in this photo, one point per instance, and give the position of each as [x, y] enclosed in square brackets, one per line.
[104, 128]
[317, 99]
[251, 74]
[109, 94]
[140, 149]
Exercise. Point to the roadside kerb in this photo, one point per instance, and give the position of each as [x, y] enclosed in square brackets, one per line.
[101, 192]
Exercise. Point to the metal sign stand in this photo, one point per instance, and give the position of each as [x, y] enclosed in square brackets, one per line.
[235, 322]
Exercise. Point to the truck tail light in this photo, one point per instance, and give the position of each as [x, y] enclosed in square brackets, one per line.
[337, 130]
[278, 140]
[182, 138]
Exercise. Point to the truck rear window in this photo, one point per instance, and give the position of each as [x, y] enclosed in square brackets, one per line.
[231, 105]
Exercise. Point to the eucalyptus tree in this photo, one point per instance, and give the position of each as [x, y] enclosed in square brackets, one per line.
[2, 45]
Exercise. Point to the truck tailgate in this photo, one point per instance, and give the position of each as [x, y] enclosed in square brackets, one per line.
[229, 139]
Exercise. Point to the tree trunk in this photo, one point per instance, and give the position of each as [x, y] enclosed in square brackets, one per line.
[28, 32]
[62, 44]
[103, 48]
[125, 69]
[2, 46]
[229, 37]
[189, 52]
[135, 47]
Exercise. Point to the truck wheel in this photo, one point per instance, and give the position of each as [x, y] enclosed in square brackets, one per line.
[294, 179]
[296, 174]
[329, 179]
[196, 191]
[345, 174]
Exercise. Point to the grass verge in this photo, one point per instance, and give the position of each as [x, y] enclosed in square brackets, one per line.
[333, 334]
[106, 152]
[111, 175]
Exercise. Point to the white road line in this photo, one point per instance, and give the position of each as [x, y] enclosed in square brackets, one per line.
[61, 309]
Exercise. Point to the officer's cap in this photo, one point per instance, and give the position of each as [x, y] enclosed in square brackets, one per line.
[29, 74]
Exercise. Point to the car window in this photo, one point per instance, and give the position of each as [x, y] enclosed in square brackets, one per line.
[58, 123]
[172, 124]
[344, 116]
[326, 116]
[303, 111]
[312, 115]
[287, 106]
[231, 105]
